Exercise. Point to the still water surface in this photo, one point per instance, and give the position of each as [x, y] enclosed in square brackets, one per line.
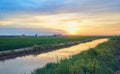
[25, 65]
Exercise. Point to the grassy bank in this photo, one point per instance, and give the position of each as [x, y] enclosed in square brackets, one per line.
[12, 43]
[99, 60]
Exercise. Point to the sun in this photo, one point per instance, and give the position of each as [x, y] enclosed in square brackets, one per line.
[72, 31]
[71, 28]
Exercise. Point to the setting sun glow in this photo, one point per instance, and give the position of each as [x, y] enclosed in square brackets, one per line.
[71, 27]
[72, 31]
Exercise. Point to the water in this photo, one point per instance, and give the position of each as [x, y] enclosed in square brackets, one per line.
[25, 65]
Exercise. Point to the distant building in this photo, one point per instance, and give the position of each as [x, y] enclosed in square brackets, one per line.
[23, 35]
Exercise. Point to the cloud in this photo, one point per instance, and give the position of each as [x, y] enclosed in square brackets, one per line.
[52, 6]
[8, 7]
[19, 31]
[55, 15]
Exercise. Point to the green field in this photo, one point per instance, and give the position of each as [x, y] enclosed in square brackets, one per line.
[99, 60]
[12, 43]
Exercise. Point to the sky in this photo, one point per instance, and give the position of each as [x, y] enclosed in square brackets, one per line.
[69, 17]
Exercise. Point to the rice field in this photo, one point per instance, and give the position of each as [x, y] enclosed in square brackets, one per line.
[12, 43]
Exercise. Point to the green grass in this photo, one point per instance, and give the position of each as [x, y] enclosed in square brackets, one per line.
[99, 60]
[12, 43]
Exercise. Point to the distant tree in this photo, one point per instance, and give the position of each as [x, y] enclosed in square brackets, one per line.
[36, 35]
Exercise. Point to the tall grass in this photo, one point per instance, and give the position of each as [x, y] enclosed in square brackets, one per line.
[99, 60]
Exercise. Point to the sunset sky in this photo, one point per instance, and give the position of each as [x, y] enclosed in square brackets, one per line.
[71, 17]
